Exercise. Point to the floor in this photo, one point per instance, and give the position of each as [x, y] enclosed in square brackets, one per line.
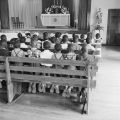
[104, 100]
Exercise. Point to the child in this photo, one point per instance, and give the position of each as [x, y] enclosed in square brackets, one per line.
[82, 38]
[58, 55]
[28, 38]
[17, 52]
[34, 52]
[57, 36]
[3, 48]
[46, 54]
[70, 55]
[64, 42]
[3, 37]
[97, 38]
[22, 43]
[76, 43]
[89, 47]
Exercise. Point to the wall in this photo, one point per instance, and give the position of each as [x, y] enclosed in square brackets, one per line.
[105, 5]
[26, 10]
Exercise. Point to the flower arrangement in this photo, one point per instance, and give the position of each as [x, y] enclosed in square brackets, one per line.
[56, 9]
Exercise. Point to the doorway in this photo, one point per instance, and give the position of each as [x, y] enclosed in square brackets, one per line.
[113, 29]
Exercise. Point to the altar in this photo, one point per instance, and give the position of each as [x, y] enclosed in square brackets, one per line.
[55, 20]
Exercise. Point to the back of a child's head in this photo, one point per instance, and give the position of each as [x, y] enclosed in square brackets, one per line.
[83, 50]
[45, 35]
[65, 39]
[58, 47]
[88, 40]
[76, 38]
[3, 44]
[70, 48]
[89, 35]
[82, 36]
[53, 39]
[17, 44]
[28, 34]
[19, 35]
[57, 34]
[3, 38]
[97, 36]
[22, 40]
[46, 45]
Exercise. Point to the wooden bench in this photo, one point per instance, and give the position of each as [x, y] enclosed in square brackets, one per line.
[21, 70]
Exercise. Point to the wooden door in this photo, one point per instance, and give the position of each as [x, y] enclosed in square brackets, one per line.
[113, 31]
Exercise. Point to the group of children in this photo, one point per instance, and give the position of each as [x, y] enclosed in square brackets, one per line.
[54, 47]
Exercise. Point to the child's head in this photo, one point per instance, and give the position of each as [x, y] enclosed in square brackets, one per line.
[57, 34]
[17, 44]
[33, 44]
[45, 36]
[76, 39]
[89, 35]
[97, 36]
[82, 36]
[65, 39]
[46, 45]
[58, 47]
[83, 51]
[70, 48]
[53, 39]
[3, 44]
[28, 35]
[22, 40]
[35, 37]
[3, 38]
[88, 40]
[19, 35]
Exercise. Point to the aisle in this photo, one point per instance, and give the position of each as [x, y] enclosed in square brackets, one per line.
[104, 104]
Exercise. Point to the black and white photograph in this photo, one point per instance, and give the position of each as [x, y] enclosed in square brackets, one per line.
[59, 59]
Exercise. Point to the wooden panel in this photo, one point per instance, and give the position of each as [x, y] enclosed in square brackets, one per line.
[49, 61]
[48, 70]
[10, 91]
[58, 80]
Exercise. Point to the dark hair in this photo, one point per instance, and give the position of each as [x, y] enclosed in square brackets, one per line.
[88, 40]
[75, 37]
[58, 47]
[19, 35]
[82, 36]
[70, 47]
[22, 40]
[45, 35]
[97, 35]
[3, 37]
[3, 43]
[46, 45]
[28, 34]
[65, 38]
[57, 34]
[17, 44]
[53, 39]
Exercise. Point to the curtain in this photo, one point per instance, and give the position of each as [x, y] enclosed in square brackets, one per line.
[26, 10]
[84, 15]
[4, 14]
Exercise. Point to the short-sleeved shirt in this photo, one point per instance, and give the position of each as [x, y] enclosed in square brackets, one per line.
[17, 52]
[34, 53]
[46, 54]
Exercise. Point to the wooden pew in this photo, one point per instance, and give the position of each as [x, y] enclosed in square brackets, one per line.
[16, 73]
[2, 70]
